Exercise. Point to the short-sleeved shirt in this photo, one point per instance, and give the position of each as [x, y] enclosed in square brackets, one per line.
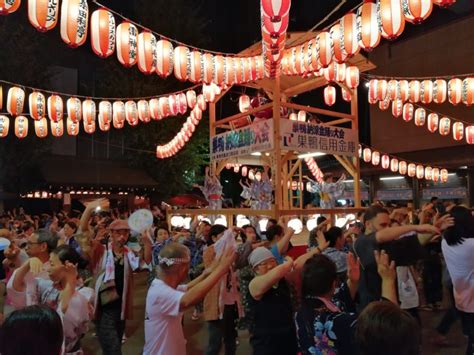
[276, 253]
[163, 330]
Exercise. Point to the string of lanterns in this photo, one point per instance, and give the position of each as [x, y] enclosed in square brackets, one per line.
[314, 168]
[402, 167]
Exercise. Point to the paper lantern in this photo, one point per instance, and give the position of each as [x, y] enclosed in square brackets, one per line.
[350, 43]
[89, 128]
[180, 61]
[219, 69]
[208, 68]
[443, 3]
[244, 103]
[208, 92]
[293, 116]
[244, 171]
[458, 131]
[37, 103]
[433, 121]
[329, 95]
[74, 20]
[21, 126]
[191, 98]
[102, 33]
[89, 113]
[9, 6]
[414, 91]
[403, 90]
[455, 91]
[390, 18]
[5, 126]
[429, 173]
[426, 91]
[373, 91]
[352, 77]
[324, 48]
[127, 38]
[394, 165]
[195, 66]
[408, 112]
[402, 167]
[182, 103]
[444, 176]
[72, 128]
[385, 161]
[411, 170]
[131, 113]
[397, 108]
[346, 95]
[435, 174]
[55, 108]
[368, 32]
[154, 109]
[302, 116]
[275, 9]
[164, 57]
[201, 101]
[470, 134]
[420, 171]
[420, 116]
[74, 109]
[340, 55]
[43, 14]
[173, 104]
[375, 158]
[367, 154]
[41, 127]
[384, 104]
[444, 126]
[392, 92]
[382, 89]
[416, 11]
[15, 101]
[239, 76]
[119, 115]
[105, 115]
[440, 88]
[57, 128]
[164, 107]
[468, 91]
[196, 113]
[230, 70]
[146, 53]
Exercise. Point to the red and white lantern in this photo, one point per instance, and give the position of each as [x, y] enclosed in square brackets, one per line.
[208, 68]
[41, 127]
[324, 48]
[368, 32]
[444, 126]
[89, 113]
[219, 69]
[420, 171]
[444, 176]
[390, 18]
[74, 109]
[367, 155]
[275, 9]
[9, 6]
[74, 20]
[72, 128]
[435, 174]
[414, 91]
[458, 131]
[182, 103]
[37, 105]
[15, 101]
[468, 91]
[411, 170]
[21, 126]
[89, 128]
[470, 134]
[455, 91]
[57, 128]
[164, 56]
[402, 167]
[244, 103]
[4, 126]
[143, 111]
[384, 104]
[146, 52]
[375, 158]
[426, 91]
[127, 39]
[181, 55]
[191, 98]
[201, 102]
[131, 113]
[154, 109]
[43, 14]
[346, 95]
[55, 108]
[230, 70]
[428, 173]
[403, 90]
[416, 11]
[440, 88]
[408, 110]
[444, 3]
[420, 116]
[302, 116]
[119, 115]
[394, 165]
[352, 77]
[397, 108]
[350, 43]
[293, 116]
[382, 89]
[385, 161]
[102, 33]
[330, 95]
[433, 122]
[340, 55]
[105, 115]
[195, 66]
[373, 91]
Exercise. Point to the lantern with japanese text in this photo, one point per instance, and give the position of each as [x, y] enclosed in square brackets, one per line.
[444, 126]
[350, 43]
[420, 171]
[146, 53]
[426, 91]
[373, 91]
[420, 116]
[324, 48]
[55, 108]
[102, 33]
[74, 109]
[408, 110]
[105, 115]
[208, 68]
[411, 170]
[37, 103]
[9, 6]
[435, 174]
[164, 107]
[89, 128]
[181, 54]
[433, 121]
[458, 131]
[390, 18]
[382, 89]
[164, 57]
[88, 113]
[41, 127]
[444, 176]
[352, 77]
[201, 102]
[329, 95]
[43, 14]
[131, 113]
[4, 126]
[368, 32]
[191, 98]
[375, 158]
[346, 95]
[21, 126]
[367, 155]
[195, 66]
[127, 38]
[173, 103]
[219, 69]
[15, 101]
[416, 11]
[57, 128]
[340, 56]
[182, 103]
[385, 161]
[74, 20]
[72, 127]
[470, 134]
[440, 88]
[119, 115]
[403, 90]
[414, 91]
[384, 104]
[244, 103]
[154, 109]
[230, 71]
[467, 92]
[402, 167]
[394, 165]
[392, 91]
[455, 91]
[428, 173]
[397, 108]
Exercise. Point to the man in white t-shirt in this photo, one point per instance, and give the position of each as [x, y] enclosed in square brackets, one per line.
[167, 298]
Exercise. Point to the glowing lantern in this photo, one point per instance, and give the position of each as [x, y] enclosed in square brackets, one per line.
[131, 113]
[105, 115]
[324, 48]
[119, 115]
[346, 95]
[146, 52]
[41, 127]
[470, 134]
[385, 161]
[433, 121]
[350, 43]
[443, 3]
[329, 95]
[426, 91]
[191, 98]
[402, 167]
[394, 165]
[275, 9]
[15, 101]
[244, 171]
[390, 18]
[373, 90]
[74, 109]
[458, 131]
[420, 171]
[340, 55]
[209, 93]
[397, 108]
[208, 68]
[201, 101]
[154, 109]
[88, 112]
[9, 6]
[293, 116]
[414, 91]
[89, 128]
[74, 20]
[444, 175]
[429, 173]
[21, 126]
[251, 174]
[181, 55]
[197, 113]
[57, 128]
[55, 108]
[164, 56]
[182, 103]
[435, 174]
[444, 126]
[382, 89]
[420, 117]
[37, 105]
[173, 103]
[415, 11]
[219, 71]
[408, 112]
[4, 126]
[384, 104]
[195, 66]
[367, 154]
[302, 116]
[43, 14]
[403, 90]
[411, 170]
[103, 33]
[237, 67]
[164, 107]
[455, 91]
[333, 72]
[127, 35]
[468, 91]
[392, 89]
[368, 32]
[352, 77]
[236, 168]
[439, 91]
[375, 158]
[229, 71]
[244, 103]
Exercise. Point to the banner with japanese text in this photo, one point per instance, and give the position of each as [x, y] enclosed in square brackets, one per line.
[257, 137]
[309, 137]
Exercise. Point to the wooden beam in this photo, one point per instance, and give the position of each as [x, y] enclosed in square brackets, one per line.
[318, 110]
[344, 163]
[305, 86]
[337, 122]
[220, 166]
[242, 114]
[313, 211]
[276, 166]
[293, 169]
[356, 160]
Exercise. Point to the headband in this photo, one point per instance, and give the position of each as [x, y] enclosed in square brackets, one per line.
[173, 261]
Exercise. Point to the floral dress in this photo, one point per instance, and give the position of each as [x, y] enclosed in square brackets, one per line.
[326, 328]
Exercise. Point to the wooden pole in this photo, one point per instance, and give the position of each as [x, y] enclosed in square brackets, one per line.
[277, 158]
[356, 160]
[212, 129]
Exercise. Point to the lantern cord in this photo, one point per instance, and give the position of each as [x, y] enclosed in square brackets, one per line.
[159, 34]
[95, 97]
[375, 76]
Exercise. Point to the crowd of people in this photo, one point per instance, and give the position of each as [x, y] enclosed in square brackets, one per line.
[354, 290]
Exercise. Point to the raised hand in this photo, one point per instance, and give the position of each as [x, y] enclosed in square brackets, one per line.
[443, 223]
[353, 268]
[227, 259]
[385, 268]
[321, 239]
[103, 203]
